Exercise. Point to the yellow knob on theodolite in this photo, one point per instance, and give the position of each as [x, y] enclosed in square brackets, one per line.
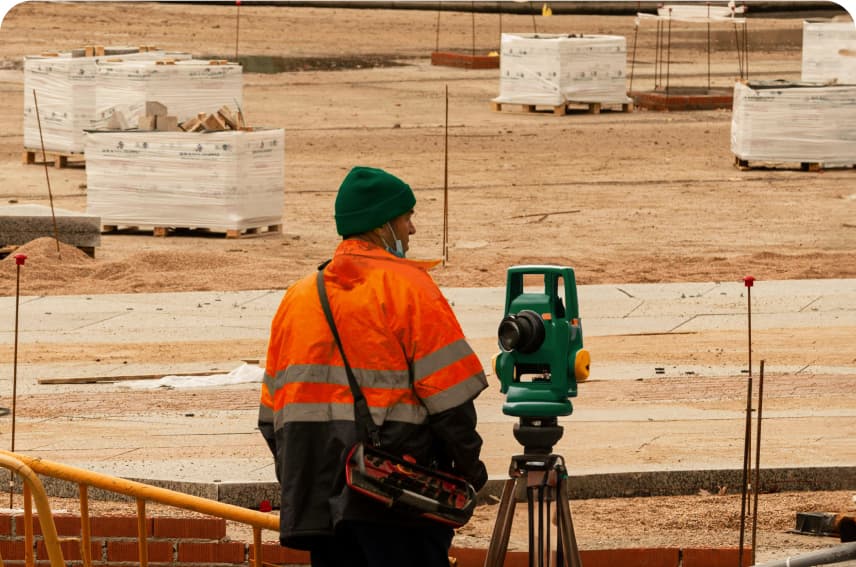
[582, 365]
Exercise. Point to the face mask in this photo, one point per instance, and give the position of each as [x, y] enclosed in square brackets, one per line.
[399, 248]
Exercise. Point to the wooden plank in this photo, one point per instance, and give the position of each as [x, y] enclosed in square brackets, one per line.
[160, 231]
[124, 378]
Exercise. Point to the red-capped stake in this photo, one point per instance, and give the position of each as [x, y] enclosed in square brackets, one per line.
[749, 281]
[20, 259]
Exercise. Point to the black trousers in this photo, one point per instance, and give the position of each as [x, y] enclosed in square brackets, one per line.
[363, 544]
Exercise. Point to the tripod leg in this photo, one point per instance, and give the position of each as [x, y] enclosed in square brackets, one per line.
[502, 529]
[567, 537]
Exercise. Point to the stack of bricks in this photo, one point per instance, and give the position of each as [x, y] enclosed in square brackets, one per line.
[156, 118]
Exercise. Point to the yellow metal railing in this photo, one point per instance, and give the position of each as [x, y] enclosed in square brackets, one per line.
[26, 466]
[33, 490]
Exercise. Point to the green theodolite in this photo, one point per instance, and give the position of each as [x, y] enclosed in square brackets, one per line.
[541, 339]
[542, 360]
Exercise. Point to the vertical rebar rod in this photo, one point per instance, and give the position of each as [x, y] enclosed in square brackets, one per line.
[747, 451]
[499, 10]
[633, 58]
[746, 47]
[668, 53]
[739, 53]
[473, 17]
[532, 12]
[237, 26]
[757, 482]
[47, 177]
[437, 34]
[446, 183]
[657, 43]
[18, 263]
[708, 46]
[749, 281]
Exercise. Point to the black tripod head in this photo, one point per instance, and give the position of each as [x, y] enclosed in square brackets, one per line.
[538, 435]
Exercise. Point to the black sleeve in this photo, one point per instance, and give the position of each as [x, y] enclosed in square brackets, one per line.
[266, 429]
[456, 429]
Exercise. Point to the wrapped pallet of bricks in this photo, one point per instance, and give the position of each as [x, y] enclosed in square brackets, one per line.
[785, 123]
[549, 69]
[226, 181]
[185, 87]
[64, 86]
[829, 52]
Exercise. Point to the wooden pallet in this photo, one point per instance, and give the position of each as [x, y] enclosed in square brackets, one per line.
[745, 164]
[163, 231]
[59, 159]
[562, 109]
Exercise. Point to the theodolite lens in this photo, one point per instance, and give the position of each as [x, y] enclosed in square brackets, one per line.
[523, 332]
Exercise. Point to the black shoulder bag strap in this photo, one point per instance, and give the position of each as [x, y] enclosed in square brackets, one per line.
[362, 414]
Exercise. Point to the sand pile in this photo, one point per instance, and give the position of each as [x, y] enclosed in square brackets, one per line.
[72, 272]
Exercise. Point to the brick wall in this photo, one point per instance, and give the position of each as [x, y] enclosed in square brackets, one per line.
[179, 542]
[202, 542]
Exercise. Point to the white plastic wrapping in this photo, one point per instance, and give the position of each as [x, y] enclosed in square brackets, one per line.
[229, 180]
[698, 13]
[185, 87]
[65, 90]
[829, 52]
[794, 122]
[550, 69]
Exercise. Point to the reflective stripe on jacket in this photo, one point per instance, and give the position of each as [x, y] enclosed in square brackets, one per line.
[408, 353]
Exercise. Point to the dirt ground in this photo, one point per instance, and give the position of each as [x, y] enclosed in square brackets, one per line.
[622, 197]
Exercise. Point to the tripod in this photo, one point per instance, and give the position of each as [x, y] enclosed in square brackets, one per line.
[546, 480]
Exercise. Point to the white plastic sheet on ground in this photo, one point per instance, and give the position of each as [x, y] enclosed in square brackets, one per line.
[244, 374]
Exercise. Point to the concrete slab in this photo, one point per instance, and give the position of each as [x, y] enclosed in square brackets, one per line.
[20, 224]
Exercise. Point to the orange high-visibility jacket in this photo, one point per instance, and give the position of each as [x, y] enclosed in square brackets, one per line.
[395, 326]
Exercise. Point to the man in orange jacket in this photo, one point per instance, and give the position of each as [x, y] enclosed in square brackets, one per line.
[410, 358]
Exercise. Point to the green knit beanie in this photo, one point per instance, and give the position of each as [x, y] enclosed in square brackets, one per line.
[368, 198]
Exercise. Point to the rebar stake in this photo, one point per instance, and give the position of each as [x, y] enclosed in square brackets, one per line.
[19, 261]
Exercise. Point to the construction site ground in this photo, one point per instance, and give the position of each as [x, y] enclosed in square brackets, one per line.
[646, 206]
